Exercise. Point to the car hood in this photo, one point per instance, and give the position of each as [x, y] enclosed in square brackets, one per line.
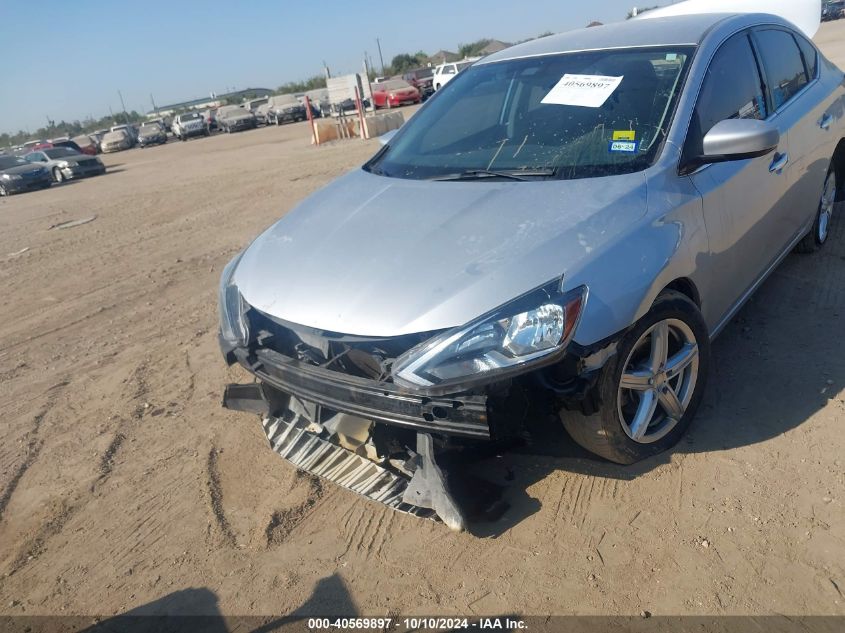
[238, 117]
[376, 256]
[22, 169]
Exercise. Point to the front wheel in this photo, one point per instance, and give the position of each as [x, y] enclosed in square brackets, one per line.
[3, 192]
[817, 236]
[58, 176]
[649, 391]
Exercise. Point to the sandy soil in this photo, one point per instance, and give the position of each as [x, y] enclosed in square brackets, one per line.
[124, 484]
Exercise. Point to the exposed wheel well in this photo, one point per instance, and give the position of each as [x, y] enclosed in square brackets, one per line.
[839, 162]
[686, 287]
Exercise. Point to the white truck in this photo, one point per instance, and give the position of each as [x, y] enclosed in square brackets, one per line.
[189, 124]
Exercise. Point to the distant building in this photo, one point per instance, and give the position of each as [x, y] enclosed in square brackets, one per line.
[494, 46]
[212, 101]
[444, 57]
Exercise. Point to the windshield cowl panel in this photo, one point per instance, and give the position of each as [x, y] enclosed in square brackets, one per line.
[566, 116]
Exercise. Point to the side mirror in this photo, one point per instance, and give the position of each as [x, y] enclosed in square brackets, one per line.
[739, 139]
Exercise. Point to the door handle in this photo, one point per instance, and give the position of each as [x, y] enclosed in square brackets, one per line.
[825, 122]
[779, 163]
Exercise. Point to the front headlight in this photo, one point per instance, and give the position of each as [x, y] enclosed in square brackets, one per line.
[64, 164]
[529, 331]
[11, 177]
[233, 324]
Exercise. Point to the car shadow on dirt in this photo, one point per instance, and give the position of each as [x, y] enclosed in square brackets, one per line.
[777, 364]
[197, 609]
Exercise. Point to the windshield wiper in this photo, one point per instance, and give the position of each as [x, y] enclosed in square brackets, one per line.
[480, 174]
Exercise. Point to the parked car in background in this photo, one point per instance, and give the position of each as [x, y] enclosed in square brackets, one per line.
[261, 113]
[235, 119]
[188, 125]
[130, 130]
[86, 144]
[253, 104]
[422, 79]
[319, 100]
[210, 117]
[65, 142]
[151, 133]
[444, 73]
[581, 215]
[395, 92]
[66, 164]
[832, 10]
[160, 121]
[116, 141]
[285, 109]
[17, 176]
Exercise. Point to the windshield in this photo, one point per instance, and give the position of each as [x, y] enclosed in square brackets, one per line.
[189, 117]
[60, 152]
[150, 128]
[532, 116]
[7, 162]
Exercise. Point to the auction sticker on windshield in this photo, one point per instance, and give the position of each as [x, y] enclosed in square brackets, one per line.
[589, 91]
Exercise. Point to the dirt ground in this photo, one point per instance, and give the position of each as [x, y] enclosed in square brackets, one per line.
[125, 485]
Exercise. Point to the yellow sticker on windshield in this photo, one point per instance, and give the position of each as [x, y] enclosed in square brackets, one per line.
[624, 135]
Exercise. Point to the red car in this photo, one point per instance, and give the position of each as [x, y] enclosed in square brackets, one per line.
[89, 149]
[393, 93]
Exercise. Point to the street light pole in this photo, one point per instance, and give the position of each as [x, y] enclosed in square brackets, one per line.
[381, 59]
[123, 105]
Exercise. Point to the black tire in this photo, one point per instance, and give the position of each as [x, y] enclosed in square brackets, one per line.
[602, 432]
[58, 177]
[818, 235]
[3, 191]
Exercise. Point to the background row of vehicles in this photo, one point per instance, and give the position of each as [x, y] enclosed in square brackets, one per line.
[413, 87]
[41, 168]
[833, 10]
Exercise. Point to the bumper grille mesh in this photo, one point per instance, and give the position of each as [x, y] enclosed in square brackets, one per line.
[338, 465]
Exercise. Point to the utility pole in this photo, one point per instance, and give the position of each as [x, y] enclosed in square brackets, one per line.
[123, 105]
[381, 59]
[155, 107]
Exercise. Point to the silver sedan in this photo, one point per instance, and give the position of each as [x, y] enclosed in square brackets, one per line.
[565, 226]
[67, 164]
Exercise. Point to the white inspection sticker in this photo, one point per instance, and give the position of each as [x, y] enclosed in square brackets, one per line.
[589, 91]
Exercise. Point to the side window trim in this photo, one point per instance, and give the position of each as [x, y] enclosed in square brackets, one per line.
[765, 88]
[815, 75]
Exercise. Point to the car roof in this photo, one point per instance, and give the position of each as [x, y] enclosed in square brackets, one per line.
[666, 31]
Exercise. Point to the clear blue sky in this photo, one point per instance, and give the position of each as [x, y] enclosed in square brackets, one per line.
[67, 59]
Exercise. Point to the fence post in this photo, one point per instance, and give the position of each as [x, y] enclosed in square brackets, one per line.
[359, 105]
[310, 116]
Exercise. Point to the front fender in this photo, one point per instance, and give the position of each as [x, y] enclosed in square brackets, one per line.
[630, 272]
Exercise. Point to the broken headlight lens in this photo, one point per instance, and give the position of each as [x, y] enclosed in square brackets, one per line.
[530, 330]
[233, 324]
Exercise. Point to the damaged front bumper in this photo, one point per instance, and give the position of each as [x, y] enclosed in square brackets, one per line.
[378, 440]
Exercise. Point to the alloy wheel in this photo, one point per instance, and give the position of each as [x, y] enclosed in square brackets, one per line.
[57, 174]
[658, 381]
[827, 204]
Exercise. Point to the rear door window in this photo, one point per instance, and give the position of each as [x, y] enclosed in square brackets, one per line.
[784, 66]
[732, 89]
[811, 56]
